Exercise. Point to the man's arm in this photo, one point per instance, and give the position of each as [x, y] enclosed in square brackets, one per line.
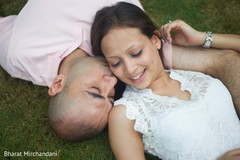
[221, 64]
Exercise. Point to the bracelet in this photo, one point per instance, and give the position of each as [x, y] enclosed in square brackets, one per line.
[208, 40]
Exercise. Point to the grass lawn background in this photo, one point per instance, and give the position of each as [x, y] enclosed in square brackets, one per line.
[23, 106]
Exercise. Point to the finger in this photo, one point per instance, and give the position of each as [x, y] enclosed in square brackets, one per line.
[168, 29]
[171, 28]
[162, 31]
[166, 32]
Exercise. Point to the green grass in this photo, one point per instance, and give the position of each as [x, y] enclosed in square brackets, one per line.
[215, 15]
[23, 106]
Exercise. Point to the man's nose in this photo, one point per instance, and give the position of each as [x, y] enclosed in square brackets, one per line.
[109, 82]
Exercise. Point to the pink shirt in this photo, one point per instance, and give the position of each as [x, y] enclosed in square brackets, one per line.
[33, 44]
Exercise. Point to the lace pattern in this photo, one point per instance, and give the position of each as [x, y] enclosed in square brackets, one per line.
[174, 129]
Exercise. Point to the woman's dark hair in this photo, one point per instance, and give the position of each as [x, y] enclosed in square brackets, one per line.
[121, 14]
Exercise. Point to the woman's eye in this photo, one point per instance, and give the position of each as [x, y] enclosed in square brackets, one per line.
[115, 64]
[137, 54]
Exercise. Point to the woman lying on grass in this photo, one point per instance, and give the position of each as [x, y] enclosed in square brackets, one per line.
[172, 114]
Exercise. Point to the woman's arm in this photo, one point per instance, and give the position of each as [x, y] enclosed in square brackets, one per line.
[125, 142]
[226, 41]
[185, 35]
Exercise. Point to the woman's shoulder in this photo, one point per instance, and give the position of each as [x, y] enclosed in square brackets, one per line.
[118, 118]
[117, 113]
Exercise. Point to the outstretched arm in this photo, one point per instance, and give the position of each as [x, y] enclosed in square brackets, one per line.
[125, 142]
[223, 64]
[185, 35]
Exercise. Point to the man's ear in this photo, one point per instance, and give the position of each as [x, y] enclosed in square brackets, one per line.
[156, 38]
[57, 85]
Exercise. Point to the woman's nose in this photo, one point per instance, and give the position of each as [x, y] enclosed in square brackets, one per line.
[129, 67]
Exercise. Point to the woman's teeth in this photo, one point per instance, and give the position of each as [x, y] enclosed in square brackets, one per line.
[137, 77]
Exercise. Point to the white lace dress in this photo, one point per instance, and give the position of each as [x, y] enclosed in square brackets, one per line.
[200, 129]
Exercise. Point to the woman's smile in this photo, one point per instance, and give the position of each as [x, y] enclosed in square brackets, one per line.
[139, 78]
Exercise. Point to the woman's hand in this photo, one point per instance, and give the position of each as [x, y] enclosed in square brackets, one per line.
[182, 34]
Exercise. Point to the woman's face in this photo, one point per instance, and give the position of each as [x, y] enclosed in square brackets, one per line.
[132, 56]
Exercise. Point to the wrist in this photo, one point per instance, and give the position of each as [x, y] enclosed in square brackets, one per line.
[200, 38]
